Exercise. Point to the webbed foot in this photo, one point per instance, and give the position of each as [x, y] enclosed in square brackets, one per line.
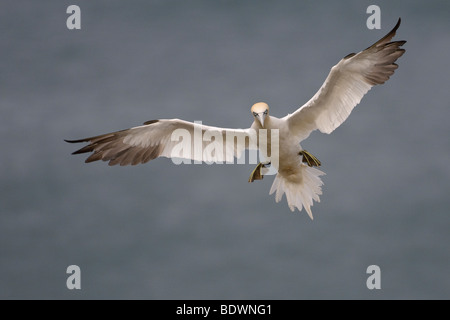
[309, 159]
[256, 173]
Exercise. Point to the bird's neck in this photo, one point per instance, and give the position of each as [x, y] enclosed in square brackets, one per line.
[267, 123]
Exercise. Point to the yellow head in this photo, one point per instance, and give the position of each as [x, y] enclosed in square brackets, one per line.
[260, 111]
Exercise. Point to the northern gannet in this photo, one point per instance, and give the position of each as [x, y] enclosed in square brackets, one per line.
[348, 81]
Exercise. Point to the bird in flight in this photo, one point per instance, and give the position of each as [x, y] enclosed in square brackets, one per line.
[296, 176]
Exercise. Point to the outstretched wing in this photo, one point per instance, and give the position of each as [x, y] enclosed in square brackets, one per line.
[172, 138]
[346, 84]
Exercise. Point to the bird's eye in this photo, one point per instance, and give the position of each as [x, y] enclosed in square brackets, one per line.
[265, 112]
[255, 114]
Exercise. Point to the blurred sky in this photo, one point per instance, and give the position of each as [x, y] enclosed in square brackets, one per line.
[161, 231]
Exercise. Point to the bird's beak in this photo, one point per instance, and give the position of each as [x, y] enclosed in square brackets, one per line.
[262, 116]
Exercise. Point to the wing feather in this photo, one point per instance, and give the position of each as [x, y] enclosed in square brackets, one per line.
[155, 139]
[345, 86]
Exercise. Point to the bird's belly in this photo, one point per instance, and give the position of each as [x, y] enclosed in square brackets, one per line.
[289, 160]
[288, 149]
[283, 152]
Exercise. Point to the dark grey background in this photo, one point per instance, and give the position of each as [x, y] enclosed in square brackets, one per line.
[161, 231]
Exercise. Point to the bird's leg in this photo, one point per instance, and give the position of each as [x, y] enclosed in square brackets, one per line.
[309, 159]
[256, 173]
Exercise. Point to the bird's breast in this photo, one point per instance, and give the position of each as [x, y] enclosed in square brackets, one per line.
[275, 141]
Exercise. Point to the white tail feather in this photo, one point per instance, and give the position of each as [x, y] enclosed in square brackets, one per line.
[300, 191]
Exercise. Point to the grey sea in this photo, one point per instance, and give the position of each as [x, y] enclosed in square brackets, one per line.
[166, 231]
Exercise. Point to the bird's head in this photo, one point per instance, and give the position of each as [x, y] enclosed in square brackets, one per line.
[260, 111]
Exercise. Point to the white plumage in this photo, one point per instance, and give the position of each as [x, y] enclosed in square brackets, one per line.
[344, 87]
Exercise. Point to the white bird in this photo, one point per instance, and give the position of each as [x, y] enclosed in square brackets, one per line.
[348, 81]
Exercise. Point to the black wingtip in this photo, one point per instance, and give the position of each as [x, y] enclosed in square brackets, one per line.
[394, 29]
[398, 24]
[388, 36]
[75, 141]
[150, 122]
[82, 150]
